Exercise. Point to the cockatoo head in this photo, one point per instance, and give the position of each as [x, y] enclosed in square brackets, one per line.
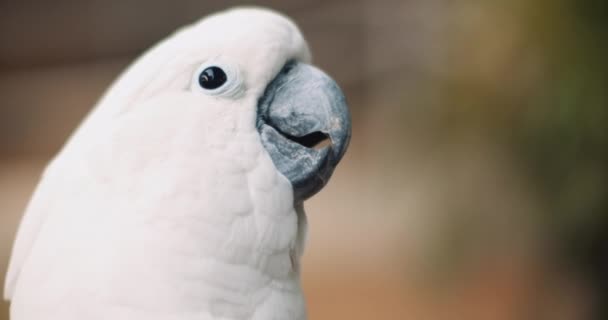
[251, 66]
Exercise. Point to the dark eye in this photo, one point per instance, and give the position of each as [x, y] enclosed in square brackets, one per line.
[212, 78]
[217, 77]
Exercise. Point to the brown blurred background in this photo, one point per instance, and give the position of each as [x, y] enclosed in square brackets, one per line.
[476, 182]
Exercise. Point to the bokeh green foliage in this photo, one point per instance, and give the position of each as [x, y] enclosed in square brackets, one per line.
[532, 78]
[563, 130]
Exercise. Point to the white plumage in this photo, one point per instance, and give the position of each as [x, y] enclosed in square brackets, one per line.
[164, 203]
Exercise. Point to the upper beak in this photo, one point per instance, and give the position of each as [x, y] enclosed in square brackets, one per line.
[304, 123]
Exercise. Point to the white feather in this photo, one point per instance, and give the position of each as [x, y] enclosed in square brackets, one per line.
[164, 204]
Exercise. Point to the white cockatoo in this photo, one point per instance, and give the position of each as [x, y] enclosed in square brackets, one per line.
[180, 195]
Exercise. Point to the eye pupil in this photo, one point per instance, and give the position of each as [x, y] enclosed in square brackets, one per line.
[212, 78]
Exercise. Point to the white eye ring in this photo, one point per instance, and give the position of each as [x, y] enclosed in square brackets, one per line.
[232, 87]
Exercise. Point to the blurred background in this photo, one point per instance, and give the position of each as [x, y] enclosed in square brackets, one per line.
[476, 183]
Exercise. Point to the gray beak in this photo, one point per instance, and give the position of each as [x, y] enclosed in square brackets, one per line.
[304, 124]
